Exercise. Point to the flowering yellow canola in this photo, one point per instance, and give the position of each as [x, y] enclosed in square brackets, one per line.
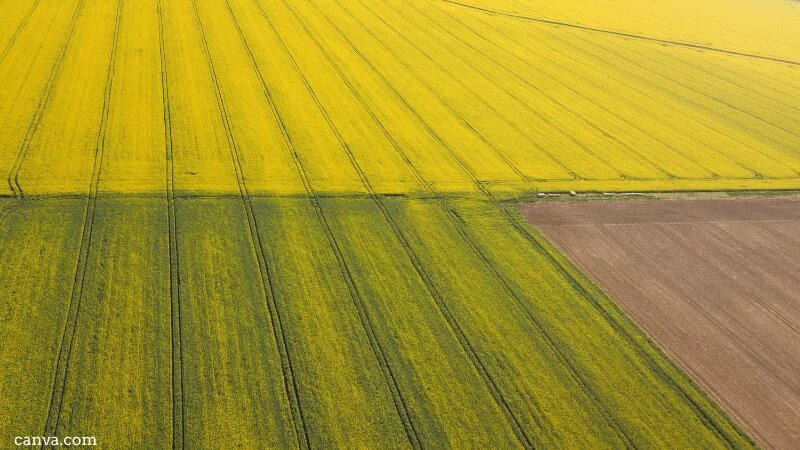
[296, 303]
[507, 96]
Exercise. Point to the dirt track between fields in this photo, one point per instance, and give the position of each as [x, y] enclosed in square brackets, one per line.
[716, 283]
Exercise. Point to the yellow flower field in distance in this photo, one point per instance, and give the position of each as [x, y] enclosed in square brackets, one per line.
[413, 96]
[762, 28]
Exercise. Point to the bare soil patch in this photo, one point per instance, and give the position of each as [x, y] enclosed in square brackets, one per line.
[715, 282]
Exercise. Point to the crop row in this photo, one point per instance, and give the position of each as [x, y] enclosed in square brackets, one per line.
[422, 96]
[465, 329]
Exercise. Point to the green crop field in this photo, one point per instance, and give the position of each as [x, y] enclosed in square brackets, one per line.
[332, 322]
[253, 224]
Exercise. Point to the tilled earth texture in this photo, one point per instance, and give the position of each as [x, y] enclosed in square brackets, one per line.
[716, 283]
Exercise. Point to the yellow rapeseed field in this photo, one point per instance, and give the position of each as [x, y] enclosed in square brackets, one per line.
[281, 224]
[507, 96]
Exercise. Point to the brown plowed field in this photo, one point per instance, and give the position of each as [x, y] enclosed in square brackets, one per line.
[716, 283]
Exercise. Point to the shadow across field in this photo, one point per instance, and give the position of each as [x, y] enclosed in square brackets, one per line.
[382, 322]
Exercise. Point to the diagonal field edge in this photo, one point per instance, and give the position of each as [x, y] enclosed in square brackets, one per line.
[624, 34]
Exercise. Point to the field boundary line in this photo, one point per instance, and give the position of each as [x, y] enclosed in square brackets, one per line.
[591, 123]
[176, 335]
[692, 64]
[678, 81]
[620, 175]
[695, 104]
[689, 222]
[74, 309]
[726, 156]
[685, 101]
[44, 99]
[663, 41]
[475, 32]
[290, 382]
[19, 29]
[620, 322]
